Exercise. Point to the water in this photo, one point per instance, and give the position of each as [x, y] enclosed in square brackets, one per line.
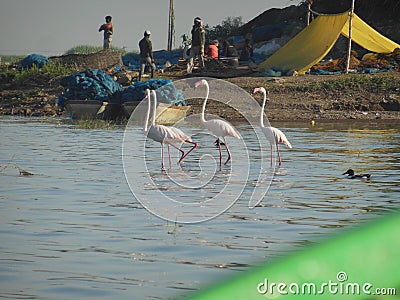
[73, 229]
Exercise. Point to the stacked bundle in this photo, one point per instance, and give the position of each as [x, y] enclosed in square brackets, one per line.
[88, 85]
[166, 92]
[98, 85]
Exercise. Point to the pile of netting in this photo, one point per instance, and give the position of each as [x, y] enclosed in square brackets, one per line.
[98, 85]
[88, 85]
[166, 92]
[33, 60]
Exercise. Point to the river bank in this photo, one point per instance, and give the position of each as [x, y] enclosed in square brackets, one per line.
[307, 97]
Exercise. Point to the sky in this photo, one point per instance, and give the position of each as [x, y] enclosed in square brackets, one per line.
[51, 27]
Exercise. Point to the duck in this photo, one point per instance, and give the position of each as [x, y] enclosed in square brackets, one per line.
[350, 174]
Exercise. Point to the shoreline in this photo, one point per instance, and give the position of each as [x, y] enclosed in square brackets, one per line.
[306, 97]
[97, 124]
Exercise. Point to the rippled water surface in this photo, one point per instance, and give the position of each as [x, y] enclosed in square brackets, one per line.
[74, 230]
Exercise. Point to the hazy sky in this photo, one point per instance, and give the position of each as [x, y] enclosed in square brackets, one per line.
[51, 27]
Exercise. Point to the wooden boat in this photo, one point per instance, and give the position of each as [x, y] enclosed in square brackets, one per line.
[93, 109]
[166, 114]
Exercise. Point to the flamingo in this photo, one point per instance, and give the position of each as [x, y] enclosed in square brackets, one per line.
[274, 135]
[156, 133]
[178, 135]
[218, 127]
[162, 134]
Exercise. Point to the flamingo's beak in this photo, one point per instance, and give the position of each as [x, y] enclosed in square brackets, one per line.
[197, 84]
[256, 90]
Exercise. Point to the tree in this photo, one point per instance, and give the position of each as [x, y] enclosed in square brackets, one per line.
[229, 26]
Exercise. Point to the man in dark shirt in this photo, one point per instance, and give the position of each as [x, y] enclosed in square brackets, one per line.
[146, 54]
[247, 52]
[198, 40]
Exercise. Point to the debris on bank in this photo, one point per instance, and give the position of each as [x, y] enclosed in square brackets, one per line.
[369, 63]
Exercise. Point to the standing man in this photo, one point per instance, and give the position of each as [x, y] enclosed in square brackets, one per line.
[146, 54]
[108, 32]
[247, 52]
[198, 40]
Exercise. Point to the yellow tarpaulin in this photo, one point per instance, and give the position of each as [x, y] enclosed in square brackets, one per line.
[367, 37]
[315, 41]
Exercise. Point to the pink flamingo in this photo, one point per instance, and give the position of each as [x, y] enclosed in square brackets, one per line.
[178, 135]
[274, 135]
[163, 134]
[218, 127]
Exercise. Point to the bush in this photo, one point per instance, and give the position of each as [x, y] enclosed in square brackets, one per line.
[83, 49]
[87, 49]
[11, 58]
[50, 68]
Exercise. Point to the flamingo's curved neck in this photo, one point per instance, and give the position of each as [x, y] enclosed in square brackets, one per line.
[205, 102]
[146, 122]
[262, 108]
[155, 107]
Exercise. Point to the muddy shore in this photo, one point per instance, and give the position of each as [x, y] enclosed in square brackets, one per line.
[310, 97]
[306, 97]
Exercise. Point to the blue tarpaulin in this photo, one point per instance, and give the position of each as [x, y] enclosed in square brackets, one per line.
[98, 85]
[132, 60]
[267, 32]
[167, 94]
[34, 59]
[89, 85]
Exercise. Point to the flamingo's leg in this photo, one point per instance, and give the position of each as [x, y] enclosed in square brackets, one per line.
[181, 151]
[271, 153]
[227, 150]
[191, 149]
[279, 155]
[220, 154]
[169, 156]
[162, 156]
